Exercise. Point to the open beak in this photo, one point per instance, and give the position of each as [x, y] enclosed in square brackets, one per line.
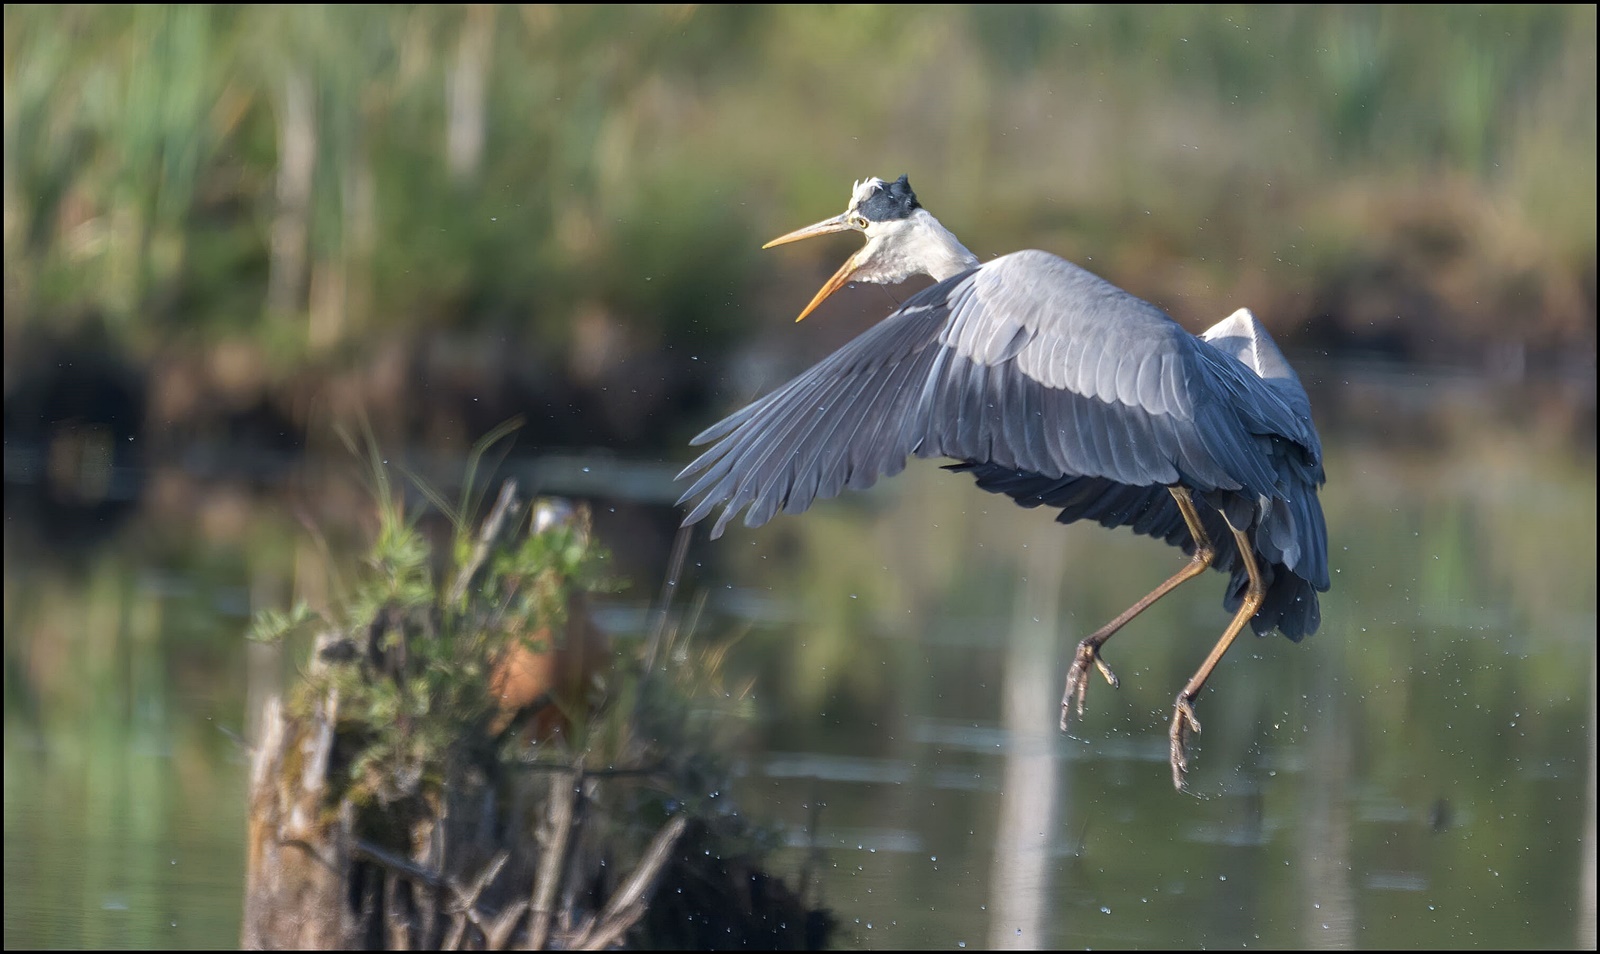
[839, 223]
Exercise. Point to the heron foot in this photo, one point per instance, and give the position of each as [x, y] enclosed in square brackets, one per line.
[1078, 679]
[1183, 722]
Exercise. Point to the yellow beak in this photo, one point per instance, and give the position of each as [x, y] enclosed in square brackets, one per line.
[839, 223]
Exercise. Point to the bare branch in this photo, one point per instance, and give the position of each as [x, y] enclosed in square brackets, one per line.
[628, 904]
[468, 899]
[564, 796]
[367, 851]
[498, 931]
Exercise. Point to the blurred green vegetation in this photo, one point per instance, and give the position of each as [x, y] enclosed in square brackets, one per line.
[312, 179]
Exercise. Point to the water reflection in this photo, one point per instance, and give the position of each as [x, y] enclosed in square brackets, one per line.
[1020, 877]
[1420, 773]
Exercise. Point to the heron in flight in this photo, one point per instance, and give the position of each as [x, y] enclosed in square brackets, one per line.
[1056, 388]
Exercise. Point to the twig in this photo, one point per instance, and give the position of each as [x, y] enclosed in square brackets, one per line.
[584, 929]
[628, 904]
[499, 928]
[680, 550]
[532, 764]
[458, 932]
[367, 851]
[611, 931]
[467, 899]
[580, 863]
[397, 927]
[691, 620]
[644, 874]
[563, 802]
[466, 902]
[487, 534]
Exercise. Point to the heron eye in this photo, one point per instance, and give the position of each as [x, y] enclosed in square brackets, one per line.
[858, 222]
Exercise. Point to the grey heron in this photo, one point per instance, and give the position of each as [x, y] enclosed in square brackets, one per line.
[1056, 388]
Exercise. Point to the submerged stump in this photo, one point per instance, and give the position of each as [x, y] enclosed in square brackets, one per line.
[459, 770]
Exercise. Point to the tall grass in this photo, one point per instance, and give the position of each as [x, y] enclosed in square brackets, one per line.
[518, 166]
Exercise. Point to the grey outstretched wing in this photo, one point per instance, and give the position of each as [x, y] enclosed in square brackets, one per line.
[1027, 362]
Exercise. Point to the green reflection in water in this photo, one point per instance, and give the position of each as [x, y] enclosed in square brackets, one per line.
[1413, 775]
[124, 803]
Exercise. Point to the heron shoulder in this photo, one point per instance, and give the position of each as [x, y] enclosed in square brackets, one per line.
[1055, 293]
[1242, 335]
[1067, 328]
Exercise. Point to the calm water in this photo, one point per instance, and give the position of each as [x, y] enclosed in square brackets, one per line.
[1420, 773]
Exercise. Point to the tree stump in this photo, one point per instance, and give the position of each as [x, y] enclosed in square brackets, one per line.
[396, 803]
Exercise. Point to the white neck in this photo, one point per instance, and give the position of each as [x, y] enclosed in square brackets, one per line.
[954, 258]
[917, 245]
[946, 256]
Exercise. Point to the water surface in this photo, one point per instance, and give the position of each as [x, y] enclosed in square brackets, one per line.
[1420, 773]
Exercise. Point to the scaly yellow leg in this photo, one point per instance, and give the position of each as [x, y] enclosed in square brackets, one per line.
[1183, 720]
[1089, 650]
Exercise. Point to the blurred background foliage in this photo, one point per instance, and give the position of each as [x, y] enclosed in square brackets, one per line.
[548, 202]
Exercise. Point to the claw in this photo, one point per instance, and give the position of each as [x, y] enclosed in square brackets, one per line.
[1183, 721]
[1105, 670]
[1078, 679]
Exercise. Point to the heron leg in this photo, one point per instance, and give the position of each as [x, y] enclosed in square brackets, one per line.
[1183, 718]
[1089, 650]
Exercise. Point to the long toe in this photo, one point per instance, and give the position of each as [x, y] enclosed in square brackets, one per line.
[1183, 722]
[1077, 688]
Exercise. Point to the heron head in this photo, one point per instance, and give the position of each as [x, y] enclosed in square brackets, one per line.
[888, 215]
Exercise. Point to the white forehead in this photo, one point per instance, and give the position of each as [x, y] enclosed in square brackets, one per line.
[863, 190]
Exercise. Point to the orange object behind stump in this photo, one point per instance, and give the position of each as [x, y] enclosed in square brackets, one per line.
[553, 676]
